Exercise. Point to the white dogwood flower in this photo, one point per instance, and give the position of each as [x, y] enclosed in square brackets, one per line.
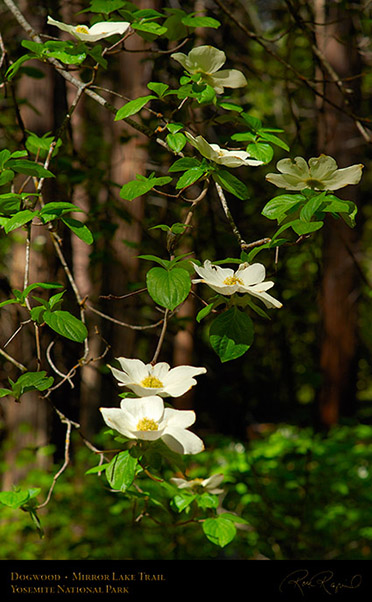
[210, 484]
[159, 379]
[98, 31]
[321, 173]
[246, 279]
[146, 418]
[208, 61]
[229, 158]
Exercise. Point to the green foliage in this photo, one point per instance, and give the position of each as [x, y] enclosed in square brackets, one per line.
[142, 185]
[231, 334]
[168, 288]
[305, 212]
[29, 381]
[293, 487]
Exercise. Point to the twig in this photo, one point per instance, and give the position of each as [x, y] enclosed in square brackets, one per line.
[16, 332]
[119, 322]
[66, 462]
[161, 338]
[13, 361]
[229, 217]
[53, 366]
[111, 297]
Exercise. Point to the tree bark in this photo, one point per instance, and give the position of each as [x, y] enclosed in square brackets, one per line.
[338, 137]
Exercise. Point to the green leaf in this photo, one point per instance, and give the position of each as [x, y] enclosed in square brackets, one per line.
[150, 27]
[16, 499]
[163, 262]
[260, 151]
[147, 13]
[207, 500]
[121, 471]
[104, 6]
[181, 501]
[253, 122]
[158, 87]
[176, 142]
[31, 287]
[184, 164]
[277, 207]
[67, 56]
[301, 227]
[96, 469]
[36, 313]
[204, 312]
[168, 288]
[244, 137]
[175, 28]
[66, 325]
[206, 95]
[5, 392]
[191, 21]
[173, 128]
[96, 53]
[219, 531]
[10, 203]
[14, 68]
[40, 145]
[29, 168]
[231, 334]
[230, 106]
[133, 106]
[139, 187]
[78, 228]
[55, 209]
[18, 220]
[6, 176]
[231, 184]
[4, 156]
[234, 518]
[30, 381]
[312, 206]
[273, 139]
[190, 177]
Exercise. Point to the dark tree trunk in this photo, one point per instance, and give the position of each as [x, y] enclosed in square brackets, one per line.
[338, 137]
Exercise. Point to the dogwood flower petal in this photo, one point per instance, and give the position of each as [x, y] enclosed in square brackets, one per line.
[219, 155]
[321, 173]
[145, 418]
[98, 31]
[159, 379]
[210, 484]
[207, 61]
[228, 78]
[183, 442]
[202, 59]
[247, 279]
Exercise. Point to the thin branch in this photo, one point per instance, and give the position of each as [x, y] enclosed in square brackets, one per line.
[120, 323]
[229, 216]
[161, 338]
[53, 366]
[66, 462]
[13, 361]
[111, 297]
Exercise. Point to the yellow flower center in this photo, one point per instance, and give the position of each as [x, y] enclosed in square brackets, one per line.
[151, 382]
[147, 424]
[310, 183]
[231, 280]
[81, 29]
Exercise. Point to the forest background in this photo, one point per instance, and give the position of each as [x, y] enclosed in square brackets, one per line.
[289, 422]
